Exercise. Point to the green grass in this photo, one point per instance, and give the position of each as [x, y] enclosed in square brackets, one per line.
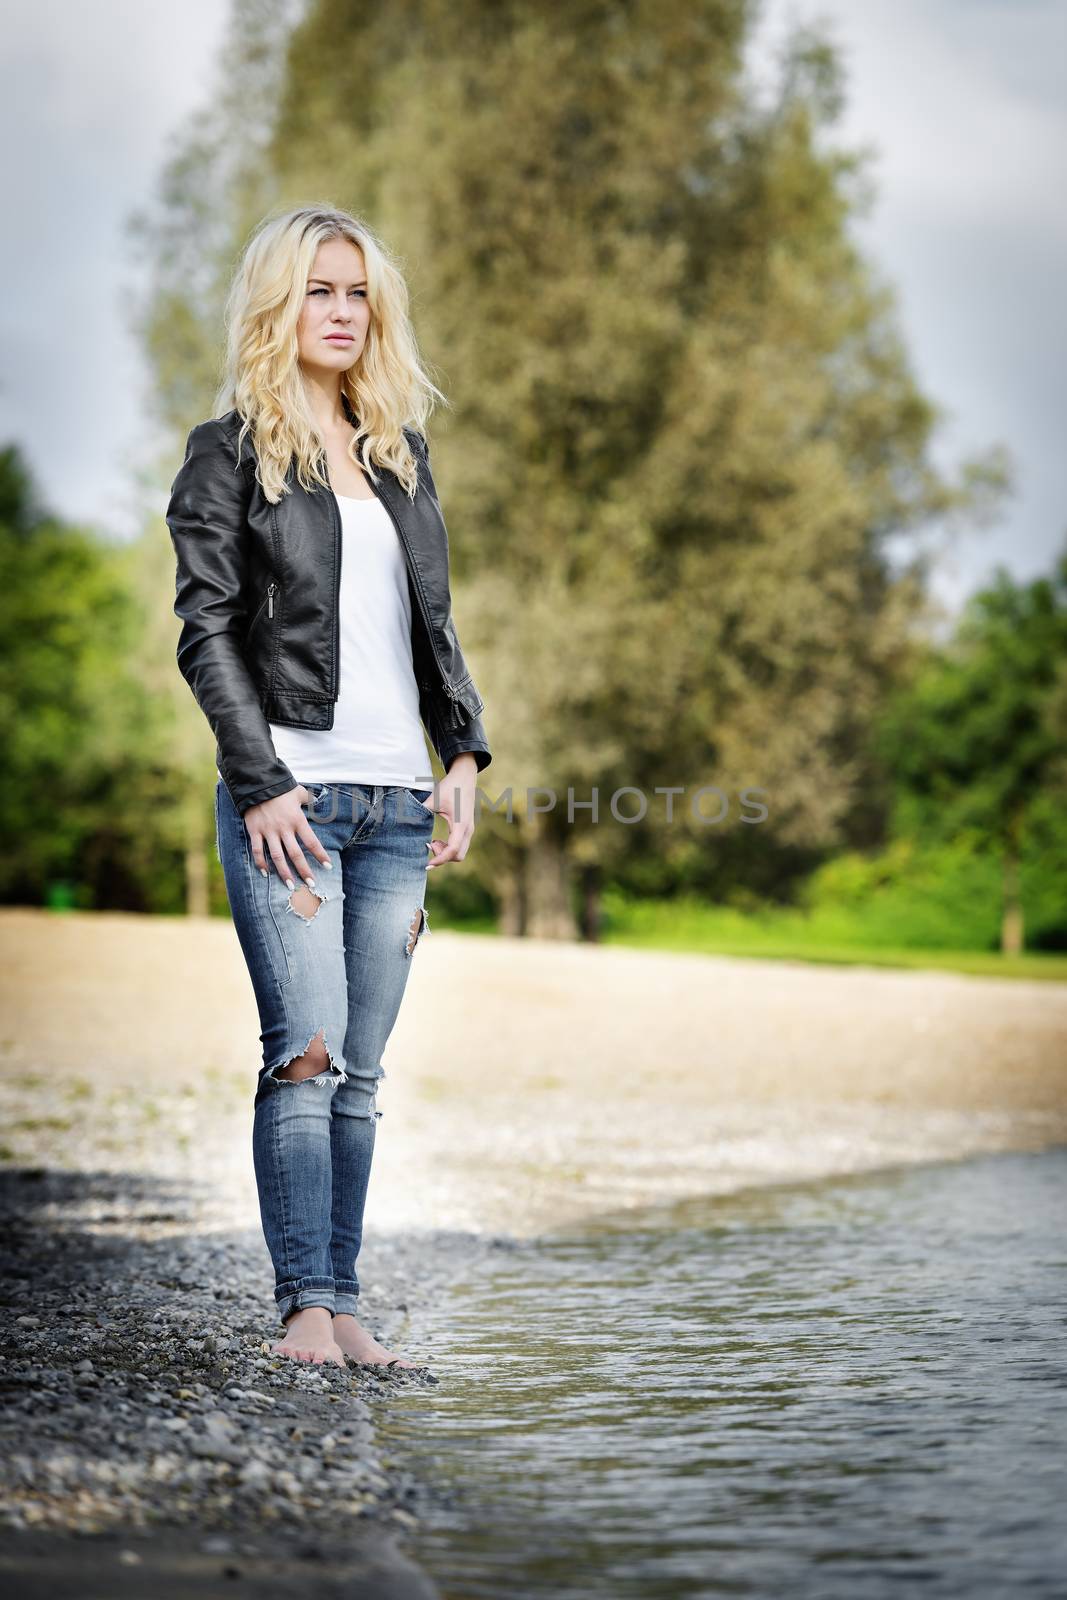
[787, 935]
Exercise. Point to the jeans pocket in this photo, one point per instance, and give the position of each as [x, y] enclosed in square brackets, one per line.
[415, 798]
[324, 805]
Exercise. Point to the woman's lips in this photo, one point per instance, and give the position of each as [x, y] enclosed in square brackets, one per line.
[339, 338]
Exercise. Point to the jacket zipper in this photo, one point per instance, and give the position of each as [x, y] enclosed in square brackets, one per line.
[336, 590]
[457, 714]
[269, 603]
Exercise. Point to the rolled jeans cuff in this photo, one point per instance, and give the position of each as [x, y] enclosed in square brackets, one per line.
[298, 1293]
[346, 1296]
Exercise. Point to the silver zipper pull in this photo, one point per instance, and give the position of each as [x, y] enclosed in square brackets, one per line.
[270, 600]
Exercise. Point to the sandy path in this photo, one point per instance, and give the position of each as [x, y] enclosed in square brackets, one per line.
[529, 1084]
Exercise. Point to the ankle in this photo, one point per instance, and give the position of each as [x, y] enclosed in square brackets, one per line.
[306, 1318]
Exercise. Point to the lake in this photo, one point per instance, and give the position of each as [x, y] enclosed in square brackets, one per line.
[849, 1387]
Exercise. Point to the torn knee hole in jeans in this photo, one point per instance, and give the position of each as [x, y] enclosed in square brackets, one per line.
[306, 903]
[320, 1075]
[420, 924]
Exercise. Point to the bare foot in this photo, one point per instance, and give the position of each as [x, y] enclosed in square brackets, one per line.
[363, 1346]
[309, 1337]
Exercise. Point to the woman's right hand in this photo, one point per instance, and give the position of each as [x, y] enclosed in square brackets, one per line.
[277, 828]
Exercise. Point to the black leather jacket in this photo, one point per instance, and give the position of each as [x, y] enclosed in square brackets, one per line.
[257, 595]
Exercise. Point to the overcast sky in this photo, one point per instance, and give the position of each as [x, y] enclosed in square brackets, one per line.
[963, 101]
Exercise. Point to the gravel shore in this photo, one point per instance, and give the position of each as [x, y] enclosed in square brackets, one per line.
[149, 1440]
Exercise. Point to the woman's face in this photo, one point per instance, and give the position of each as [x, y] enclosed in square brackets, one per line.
[333, 325]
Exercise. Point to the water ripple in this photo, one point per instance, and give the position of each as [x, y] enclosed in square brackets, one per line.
[855, 1388]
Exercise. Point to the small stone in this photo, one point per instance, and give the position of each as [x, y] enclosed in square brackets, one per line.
[219, 1425]
[217, 1545]
[217, 1450]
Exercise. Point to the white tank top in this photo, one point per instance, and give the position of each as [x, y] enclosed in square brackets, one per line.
[377, 735]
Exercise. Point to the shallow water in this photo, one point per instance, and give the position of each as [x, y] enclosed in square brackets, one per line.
[852, 1387]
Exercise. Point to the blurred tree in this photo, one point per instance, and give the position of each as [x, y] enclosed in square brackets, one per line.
[688, 427]
[215, 188]
[981, 736]
[81, 731]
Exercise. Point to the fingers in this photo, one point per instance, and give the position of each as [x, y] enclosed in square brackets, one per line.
[455, 848]
[311, 839]
[257, 842]
[277, 856]
[272, 847]
[298, 858]
[276, 832]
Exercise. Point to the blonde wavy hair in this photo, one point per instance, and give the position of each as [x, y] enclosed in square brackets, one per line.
[387, 389]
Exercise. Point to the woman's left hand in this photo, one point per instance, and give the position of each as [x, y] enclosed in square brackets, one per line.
[455, 802]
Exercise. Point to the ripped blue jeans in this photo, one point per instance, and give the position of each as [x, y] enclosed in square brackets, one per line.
[337, 968]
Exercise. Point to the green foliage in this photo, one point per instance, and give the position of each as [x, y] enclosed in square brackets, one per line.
[80, 727]
[783, 933]
[980, 732]
[976, 747]
[943, 897]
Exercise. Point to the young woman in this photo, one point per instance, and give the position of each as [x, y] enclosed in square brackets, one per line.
[313, 591]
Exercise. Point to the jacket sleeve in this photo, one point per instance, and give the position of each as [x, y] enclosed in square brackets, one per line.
[452, 726]
[450, 742]
[206, 517]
